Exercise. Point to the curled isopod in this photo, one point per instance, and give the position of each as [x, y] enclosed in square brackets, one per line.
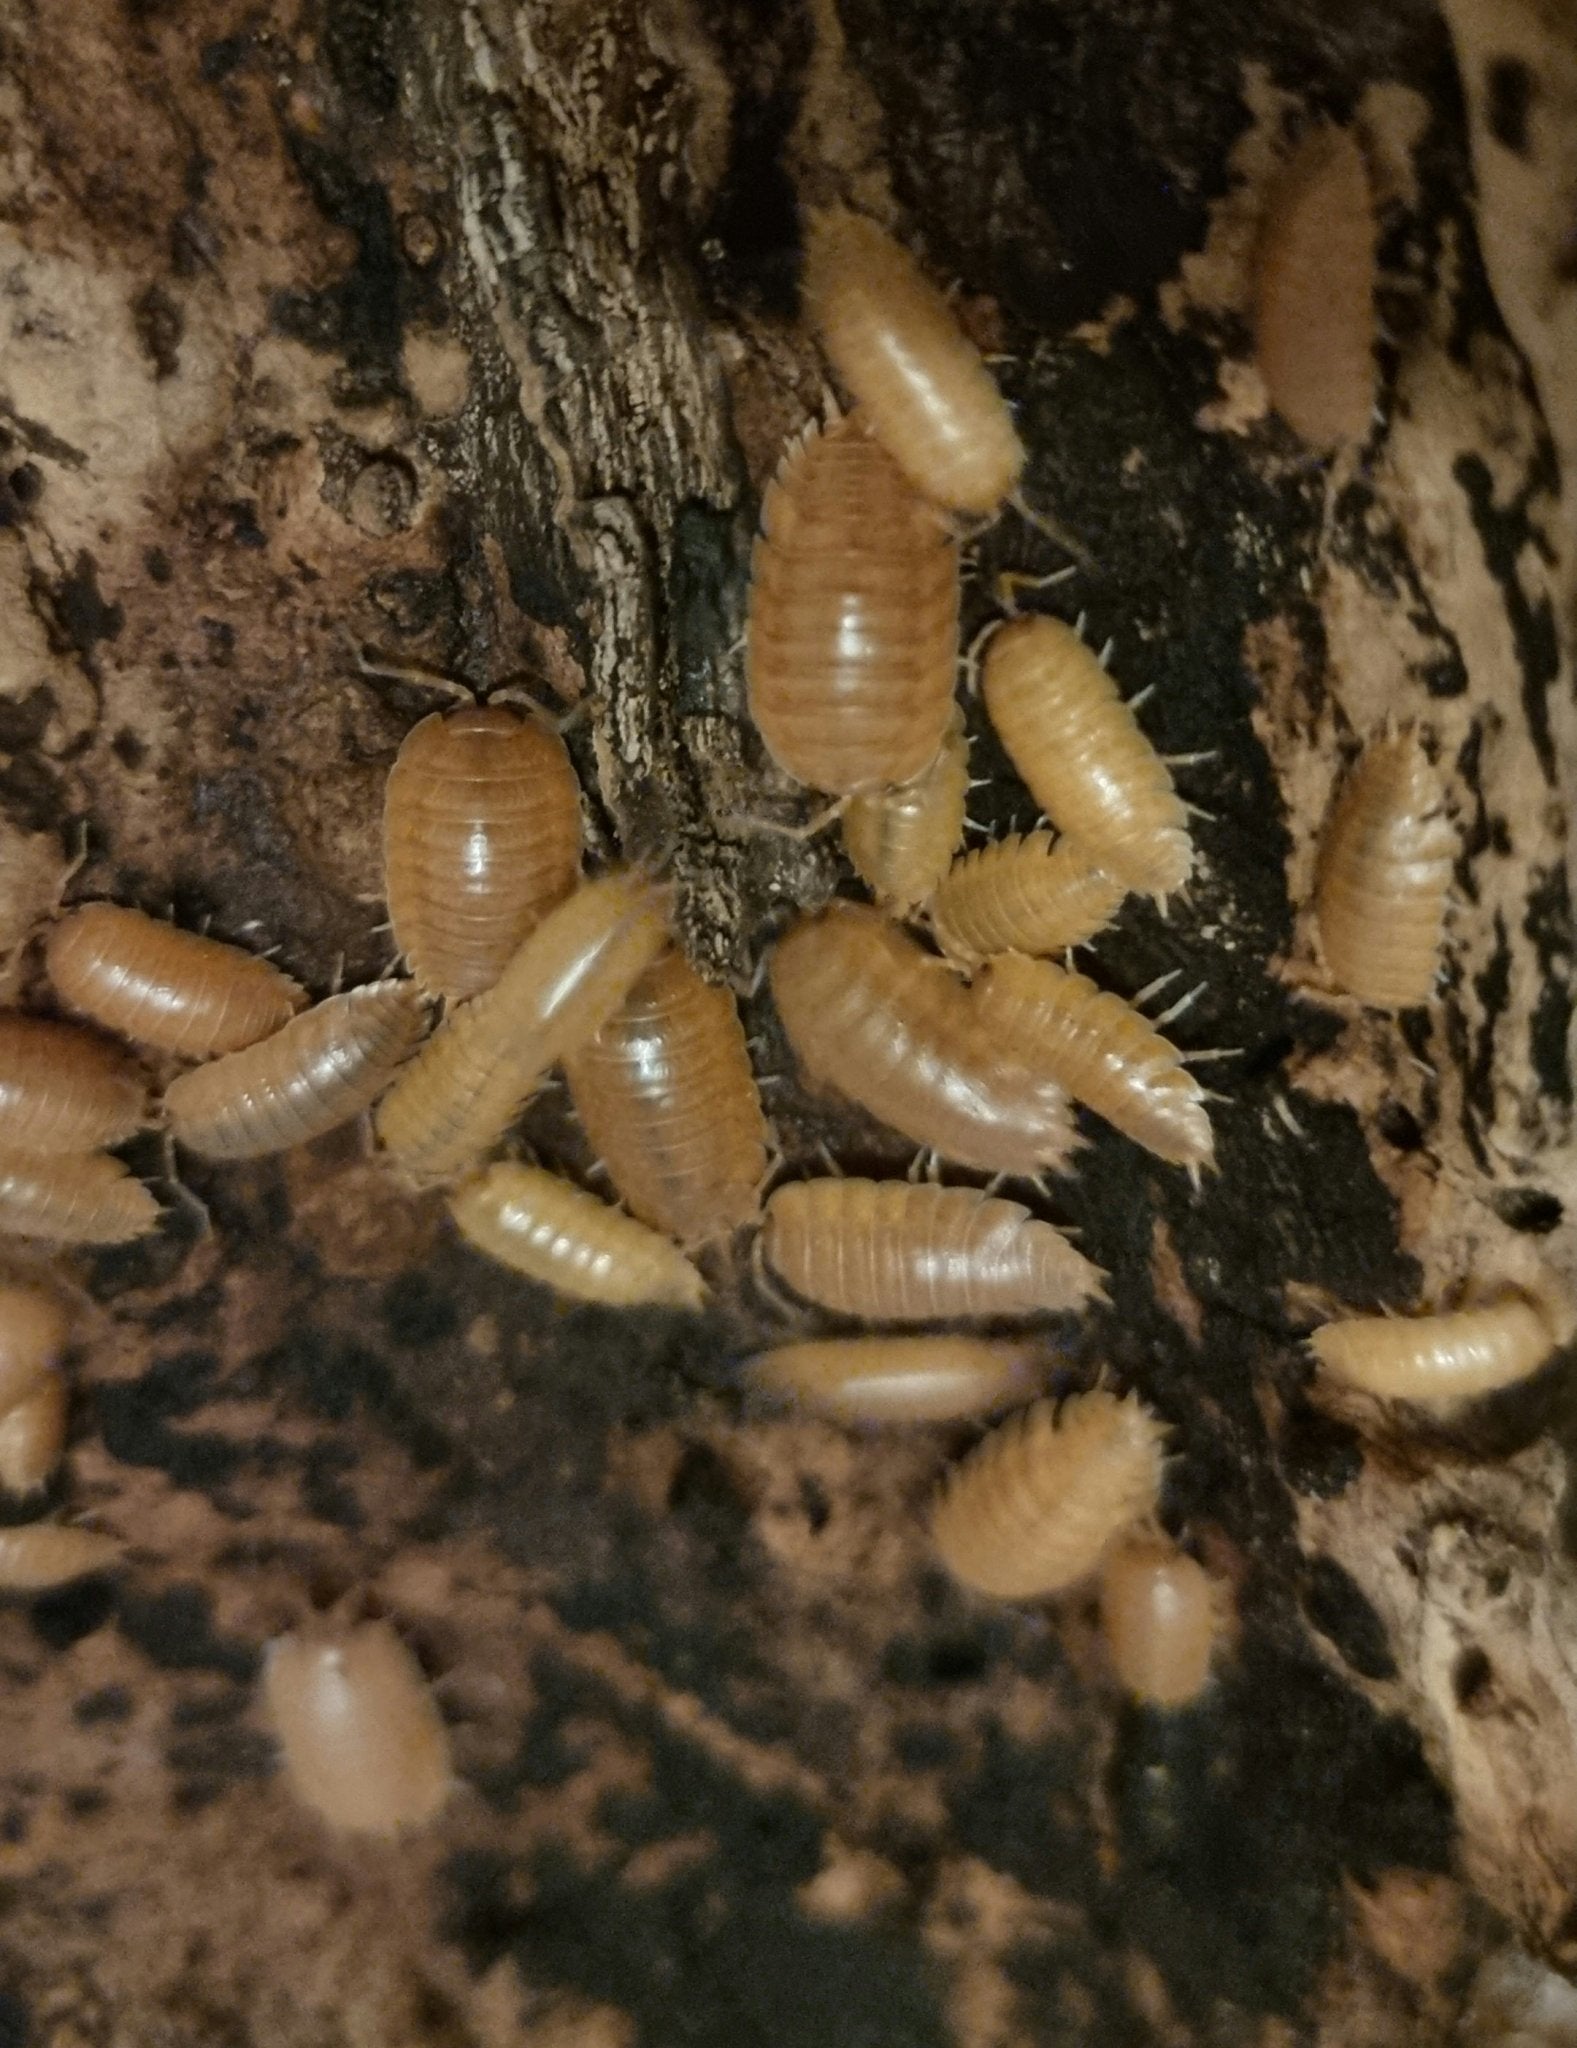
[554, 1232]
[1080, 751]
[34, 1325]
[1160, 1615]
[1031, 1510]
[1101, 1050]
[895, 1252]
[1028, 893]
[899, 1379]
[852, 642]
[902, 840]
[40, 1555]
[896, 344]
[324, 1068]
[174, 990]
[73, 1198]
[362, 1741]
[1439, 1359]
[1314, 311]
[1384, 871]
[893, 1029]
[669, 1101]
[481, 838]
[33, 1435]
[65, 1089]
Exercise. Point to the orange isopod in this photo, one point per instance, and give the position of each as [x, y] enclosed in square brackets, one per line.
[33, 1435]
[556, 1233]
[1080, 751]
[895, 1252]
[73, 1198]
[892, 1028]
[1314, 312]
[43, 1554]
[1028, 893]
[668, 1098]
[481, 837]
[1031, 1510]
[65, 1089]
[1384, 871]
[1439, 1359]
[325, 1067]
[1160, 1615]
[468, 1083]
[362, 1741]
[34, 1325]
[897, 346]
[174, 990]
[902, 840]
[852, 646]
[899, 1379]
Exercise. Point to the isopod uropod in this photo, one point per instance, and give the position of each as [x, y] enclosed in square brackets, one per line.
[65, 1089]
[896, 344]
[33, 1435]
[43, 1554]
[1160, 1615]
[1031, 1509]
[902, 840]
[34, 1325]
[1027, 893]
[899, 1379]
[74, 1198]
[554, 1232]
[1440, 1359]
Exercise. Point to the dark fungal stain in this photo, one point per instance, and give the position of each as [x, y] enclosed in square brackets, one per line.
[1320, 1457]
[1534, 1211]
[237, 1753]
[1548, 923]
[1508, 93]
[754, 214]
[107, 1704]
[1338, 1607]
[1502, 534]
[138, 1421]
[16, 2023]
[65, 1616]
[82, 615]
[174, 1629]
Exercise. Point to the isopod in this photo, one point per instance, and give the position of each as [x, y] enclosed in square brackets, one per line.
[481, 837]
[74, 1198]
[1101, 1051]
[1384, 870]
[1080, 751]
[43, 1554]
[170, 989]
[892, 1028]
[896, 344]
[1314, 311]
[467, 1085]
[362, 1741]
[34, 1325]
[65, 1089]
[33, 1435]
[902, 840]
[1439, 1359]
[852, 643]
[325, 1067]
[1031, 1510]
[1028, 893]
[893, 1252]
[667, 1097]
[899, 1379]
[1160, 1615]
[554, 1232]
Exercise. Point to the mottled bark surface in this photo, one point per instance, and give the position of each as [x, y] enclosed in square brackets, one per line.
[461, 333]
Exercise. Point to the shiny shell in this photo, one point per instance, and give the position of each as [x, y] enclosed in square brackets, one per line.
[902, 840]
[554, 1232]
[75, 1198]
[44, 1554]
[1160, 1616]
[1439, 1359]
[1028, 893]
[33, 1435]
[899, 1379]
[34, 1326]
[65, 1089]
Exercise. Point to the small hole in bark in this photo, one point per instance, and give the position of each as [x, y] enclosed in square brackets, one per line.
[1529, 1209]
[1470, 1678]
[1399, 1127]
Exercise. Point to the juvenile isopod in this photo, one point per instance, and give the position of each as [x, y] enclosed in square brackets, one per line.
[481, 837]
[43, 1554]
[170, 989]
[33, 1435]
[34, 1325]
[669, 1101]
[893, 1029]
[1439, 1359]
[902, 840]
[896, 1252]
[65, 1089]
[73, 1198]
[362, 1741]
[1314, 312]
[1101, 1050]
[467, 1085]
[324, 1068]
[899, 1379]
[1080, 751]
[1031, 1510]
[554, 1232]
[1160, 1615]
[896, 344]
[852, 643]
[1028, 893]
[1385, 867]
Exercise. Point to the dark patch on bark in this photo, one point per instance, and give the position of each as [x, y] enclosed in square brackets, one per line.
[1509, 89]
[1339, 1608]
[174, 1629]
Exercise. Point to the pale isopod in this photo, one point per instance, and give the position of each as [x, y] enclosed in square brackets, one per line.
[34, 1325]
[33, 1435]
[363, 1743]
[668, 1099]
[890, 1027]
[74, 1198]
[174, 990]
[1027, 893]
[481, 837]
[325, 1067]
[1439, 1359]
[1160, 1615]
[1385, 867]
[1032, 1509]
[897, 346]
[556, 1233]
[893, 1252]
[43, 1554]
[1080, 751]
[1101, 1050]
[853, 630]
[65, 1089]
[902, 840]
[899, 1379]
